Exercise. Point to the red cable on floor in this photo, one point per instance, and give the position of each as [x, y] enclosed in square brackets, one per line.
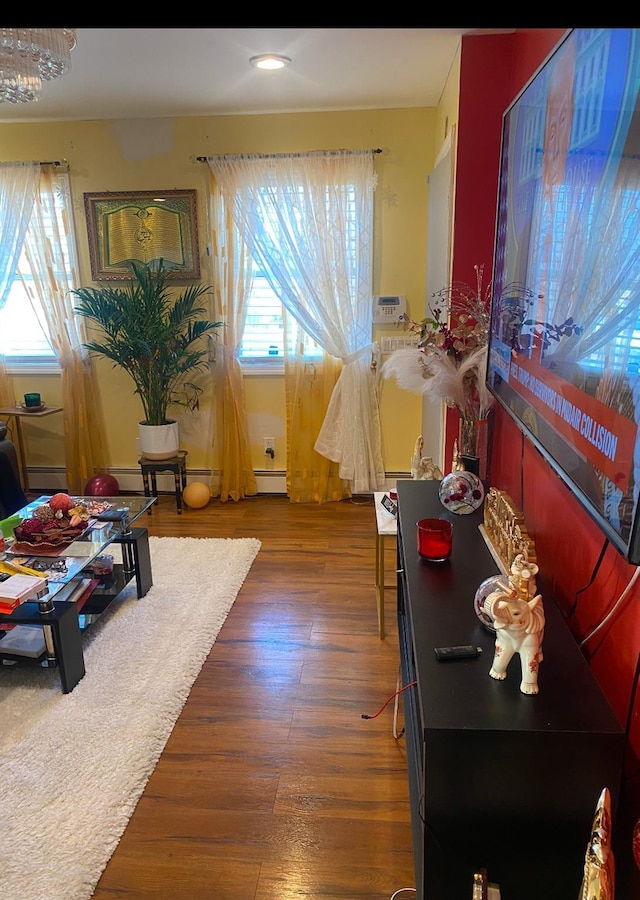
[388, 700]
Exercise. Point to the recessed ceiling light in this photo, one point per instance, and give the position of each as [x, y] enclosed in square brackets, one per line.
[269, 61]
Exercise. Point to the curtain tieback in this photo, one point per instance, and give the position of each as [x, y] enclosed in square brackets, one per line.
[357, 354]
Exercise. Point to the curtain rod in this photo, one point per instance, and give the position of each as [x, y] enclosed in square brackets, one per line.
[285, 155]
[56, 163]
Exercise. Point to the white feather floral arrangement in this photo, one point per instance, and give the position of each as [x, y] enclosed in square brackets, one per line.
[449, 362]
[436, 372]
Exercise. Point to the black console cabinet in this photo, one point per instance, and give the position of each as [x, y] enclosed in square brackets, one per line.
[498, 779]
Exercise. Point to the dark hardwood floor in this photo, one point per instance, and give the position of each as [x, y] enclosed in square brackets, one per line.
[272, 786]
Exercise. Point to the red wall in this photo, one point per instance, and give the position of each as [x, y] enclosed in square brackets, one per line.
[494, 68]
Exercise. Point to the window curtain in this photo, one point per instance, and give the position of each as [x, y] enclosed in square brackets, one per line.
[585, 252]
[308, 220]
[53, 280]
[309, 384]
[234, 477]
[587, 257]
[18, 184]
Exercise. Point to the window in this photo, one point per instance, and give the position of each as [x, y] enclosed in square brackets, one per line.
[24, 340]
[263, 339]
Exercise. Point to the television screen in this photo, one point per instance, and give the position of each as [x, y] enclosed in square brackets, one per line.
[564, 347]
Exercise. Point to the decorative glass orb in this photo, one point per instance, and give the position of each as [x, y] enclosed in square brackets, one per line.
[461, 492]
[493, 584]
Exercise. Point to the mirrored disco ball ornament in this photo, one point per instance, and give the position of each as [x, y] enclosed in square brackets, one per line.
[461, 492]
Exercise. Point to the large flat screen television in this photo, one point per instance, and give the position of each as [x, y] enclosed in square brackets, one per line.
[564, 347]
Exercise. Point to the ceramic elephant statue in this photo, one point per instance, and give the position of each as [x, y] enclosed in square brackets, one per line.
[519, 625]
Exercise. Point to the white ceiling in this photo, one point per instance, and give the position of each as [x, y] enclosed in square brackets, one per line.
[127, 73]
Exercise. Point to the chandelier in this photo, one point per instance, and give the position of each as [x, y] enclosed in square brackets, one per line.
[29, 56]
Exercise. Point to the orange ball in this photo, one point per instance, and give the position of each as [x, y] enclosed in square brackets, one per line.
[196, 495]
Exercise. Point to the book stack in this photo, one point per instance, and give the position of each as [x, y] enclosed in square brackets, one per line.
[17, 589]
[28, 640]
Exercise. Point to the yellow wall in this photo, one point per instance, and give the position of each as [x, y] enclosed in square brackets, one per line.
[447, 113]
[152, 154]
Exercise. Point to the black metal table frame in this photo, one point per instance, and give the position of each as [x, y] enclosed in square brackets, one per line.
[59, 619]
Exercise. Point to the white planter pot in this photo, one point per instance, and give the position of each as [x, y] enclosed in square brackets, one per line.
[159, 441]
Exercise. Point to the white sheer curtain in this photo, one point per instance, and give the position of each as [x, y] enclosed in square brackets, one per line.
[308, 221]
[586, 261]
[18, 186]
[585, 253]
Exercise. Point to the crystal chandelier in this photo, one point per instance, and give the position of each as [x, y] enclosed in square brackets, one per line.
[29, 56]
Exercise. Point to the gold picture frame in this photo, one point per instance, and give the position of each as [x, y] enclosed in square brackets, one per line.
[145, 226]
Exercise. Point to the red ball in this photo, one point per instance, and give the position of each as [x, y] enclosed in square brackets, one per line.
[102, 486]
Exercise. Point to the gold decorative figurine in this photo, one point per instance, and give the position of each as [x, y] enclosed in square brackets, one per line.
[599, 865]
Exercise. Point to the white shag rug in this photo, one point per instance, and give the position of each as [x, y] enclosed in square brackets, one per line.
[73, 766]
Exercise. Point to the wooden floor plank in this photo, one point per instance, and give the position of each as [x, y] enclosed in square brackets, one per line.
[272, 786]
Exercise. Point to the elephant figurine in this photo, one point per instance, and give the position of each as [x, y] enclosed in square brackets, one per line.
[518, 620]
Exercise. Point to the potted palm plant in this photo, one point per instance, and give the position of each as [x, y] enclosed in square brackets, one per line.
[155, 335]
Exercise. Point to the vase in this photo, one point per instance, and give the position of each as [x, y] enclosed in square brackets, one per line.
[473, 441]
[159, 441]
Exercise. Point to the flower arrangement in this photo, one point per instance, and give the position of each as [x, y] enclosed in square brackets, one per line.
[57, 521]
[450, 360]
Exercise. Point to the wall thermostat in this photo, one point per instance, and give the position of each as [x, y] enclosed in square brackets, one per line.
[388, 308]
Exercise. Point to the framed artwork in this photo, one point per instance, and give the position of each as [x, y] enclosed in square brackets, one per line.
[145, 226]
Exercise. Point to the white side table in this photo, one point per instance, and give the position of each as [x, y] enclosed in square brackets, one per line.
[386, 528]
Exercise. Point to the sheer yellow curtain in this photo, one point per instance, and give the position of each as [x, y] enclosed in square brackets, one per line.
[233, 475]
[309, 384]
[7, 397]
[53, 279]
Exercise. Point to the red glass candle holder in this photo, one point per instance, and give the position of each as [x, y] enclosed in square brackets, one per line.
[435, 539]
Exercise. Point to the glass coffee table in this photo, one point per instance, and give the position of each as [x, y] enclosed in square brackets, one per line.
[62, 623]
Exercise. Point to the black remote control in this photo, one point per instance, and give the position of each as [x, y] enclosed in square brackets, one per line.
[113, 515]
[444, 654]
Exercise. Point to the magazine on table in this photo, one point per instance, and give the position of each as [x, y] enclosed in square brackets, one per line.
[24, 640]
[21, 588]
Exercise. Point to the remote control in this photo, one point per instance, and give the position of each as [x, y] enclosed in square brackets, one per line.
[444, 654]
[113, 515]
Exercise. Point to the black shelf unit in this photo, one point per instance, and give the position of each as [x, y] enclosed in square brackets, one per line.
[497, 779]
